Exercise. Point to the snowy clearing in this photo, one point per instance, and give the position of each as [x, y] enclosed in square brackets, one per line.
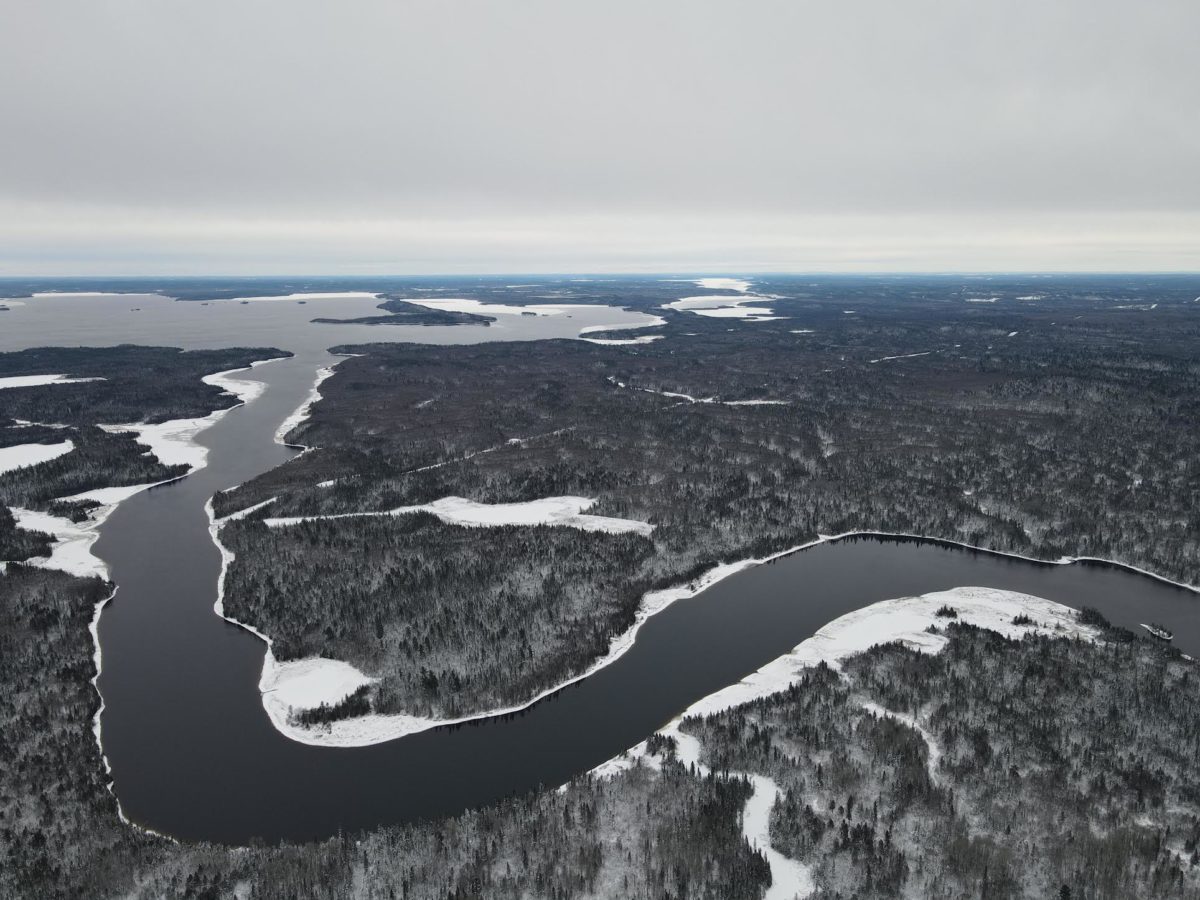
[23, 455]
[688, 398]
[564, 511]
[307, 683]
[20, 381]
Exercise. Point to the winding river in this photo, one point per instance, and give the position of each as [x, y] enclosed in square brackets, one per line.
[193, 754]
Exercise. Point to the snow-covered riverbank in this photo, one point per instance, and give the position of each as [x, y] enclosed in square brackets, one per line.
[329, 688]
[172, 442]
[906, 620]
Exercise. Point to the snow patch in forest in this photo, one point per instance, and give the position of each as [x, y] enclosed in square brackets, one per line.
[688, 398]
[22, 455]
[934, 752]
[308, 683]
[20, 381]
[621, 342]
[563, 511]
[479, 308]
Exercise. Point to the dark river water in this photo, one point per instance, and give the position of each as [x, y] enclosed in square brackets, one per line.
[194, 755]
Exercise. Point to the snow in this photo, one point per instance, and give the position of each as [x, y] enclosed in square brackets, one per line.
[723, 284]
[620, 342]
[304, 410]
[688, 398]
[460, 304]
[328, 295]
[307, 683]
[722, 307]
[904, 619]
[565, 511]
[20, 381]
[71, 552]
[22, 455]
[935, 752]
[905, 356]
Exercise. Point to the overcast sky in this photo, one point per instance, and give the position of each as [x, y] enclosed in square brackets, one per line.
[264, 136]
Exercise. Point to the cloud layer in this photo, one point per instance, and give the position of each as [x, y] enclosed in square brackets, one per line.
[487, 136]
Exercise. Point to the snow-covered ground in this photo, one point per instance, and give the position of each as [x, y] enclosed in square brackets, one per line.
[688, 398]
[905, 620]
[174, 441]
[24, 455]
[905, 356]
[20, 381]
[461, 304]
[564, 511]
[279, 298]
[304, 410]
[628, 326]
[722, 307]
[723, 284]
